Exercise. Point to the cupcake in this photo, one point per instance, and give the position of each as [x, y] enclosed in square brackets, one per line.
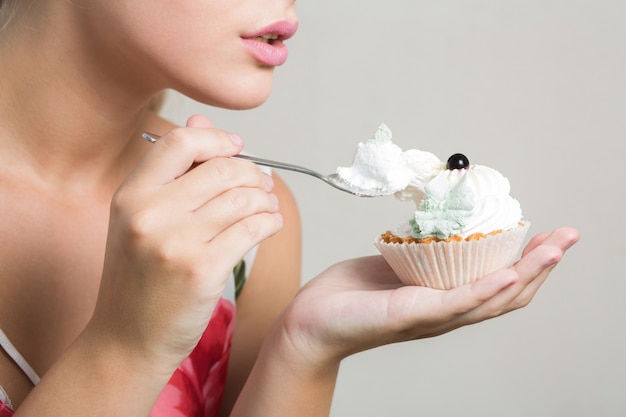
[465, 226]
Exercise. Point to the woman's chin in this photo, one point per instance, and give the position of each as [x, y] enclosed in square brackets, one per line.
[241, 97]
[244, 103]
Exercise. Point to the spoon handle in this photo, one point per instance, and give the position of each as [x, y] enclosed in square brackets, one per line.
[152, 138]
[279, 165]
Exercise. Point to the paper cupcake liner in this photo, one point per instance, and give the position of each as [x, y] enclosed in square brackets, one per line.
[446, 265]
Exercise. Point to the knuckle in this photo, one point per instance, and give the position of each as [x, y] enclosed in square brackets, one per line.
[260, 178]
[238, 200]
[127, 197]
[247, 200]
[120, 201]
[176, 138]
[254, 176]
[495, 311]
[140, 225]
[258, 227]
[222, 169]
[167, 252]
[522, 301]
[136, 222]
[250, 228]
[170, 256]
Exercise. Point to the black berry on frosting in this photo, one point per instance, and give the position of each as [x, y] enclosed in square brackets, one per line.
[458, 161]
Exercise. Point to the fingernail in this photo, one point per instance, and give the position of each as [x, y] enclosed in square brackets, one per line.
[269, 182]
[275, 200]
[279, 217]
[235, 138]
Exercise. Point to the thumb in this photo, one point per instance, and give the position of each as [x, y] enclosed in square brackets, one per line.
[198, 120]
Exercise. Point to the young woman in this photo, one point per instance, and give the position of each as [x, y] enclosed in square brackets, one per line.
[118, 257]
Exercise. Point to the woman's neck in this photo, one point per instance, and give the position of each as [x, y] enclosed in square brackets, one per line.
[66, 113]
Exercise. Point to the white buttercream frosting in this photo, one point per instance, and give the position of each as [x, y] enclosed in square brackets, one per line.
[424, 166]
[462, 202]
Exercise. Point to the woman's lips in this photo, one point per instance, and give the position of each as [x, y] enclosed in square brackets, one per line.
[272, 55]
[266, 45]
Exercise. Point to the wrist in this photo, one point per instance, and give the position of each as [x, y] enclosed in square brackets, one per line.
[139, 361]
[104, 377]
[301, 348]
[287, 380]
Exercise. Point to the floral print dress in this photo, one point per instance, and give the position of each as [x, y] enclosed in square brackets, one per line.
[197, 386]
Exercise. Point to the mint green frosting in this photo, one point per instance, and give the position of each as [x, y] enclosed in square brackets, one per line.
[383, 134]
[443, 215]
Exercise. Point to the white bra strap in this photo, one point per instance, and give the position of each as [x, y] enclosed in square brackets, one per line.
[19, 360]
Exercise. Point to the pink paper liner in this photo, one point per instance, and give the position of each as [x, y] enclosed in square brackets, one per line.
[446, 265]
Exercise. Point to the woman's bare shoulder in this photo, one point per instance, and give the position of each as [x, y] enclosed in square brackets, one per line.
[279, 258]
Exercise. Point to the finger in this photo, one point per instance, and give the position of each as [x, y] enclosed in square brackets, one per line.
[534, 242]
[449, 309]
[563, 237]
[540, 258]
[545, 255]
[467, 298]
[176, 152]
[198, 120]
[534, 266]
[550, 253]
[496, 297]
[233, 243]
[230, 208]
[212, 178]
[532, 269]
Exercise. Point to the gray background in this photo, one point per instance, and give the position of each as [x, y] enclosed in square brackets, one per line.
[533, 88]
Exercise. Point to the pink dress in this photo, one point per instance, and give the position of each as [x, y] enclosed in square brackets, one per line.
[5, 410]
[197, 386]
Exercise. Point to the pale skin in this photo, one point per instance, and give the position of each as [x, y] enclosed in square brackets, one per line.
[115, 251]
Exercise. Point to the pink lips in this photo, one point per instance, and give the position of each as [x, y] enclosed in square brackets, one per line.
[270, 50]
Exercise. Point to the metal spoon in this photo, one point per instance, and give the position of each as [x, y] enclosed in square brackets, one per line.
[333, 179]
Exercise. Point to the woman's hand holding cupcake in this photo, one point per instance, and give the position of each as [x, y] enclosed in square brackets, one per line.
[360, 304]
